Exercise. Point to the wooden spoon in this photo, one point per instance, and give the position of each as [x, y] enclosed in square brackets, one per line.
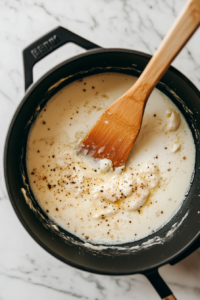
[115, 132]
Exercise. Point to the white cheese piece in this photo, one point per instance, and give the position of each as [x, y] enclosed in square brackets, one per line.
[175, 147]
[105, 165]
[173, 120]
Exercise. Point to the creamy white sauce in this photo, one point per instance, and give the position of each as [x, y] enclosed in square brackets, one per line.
[91, 200]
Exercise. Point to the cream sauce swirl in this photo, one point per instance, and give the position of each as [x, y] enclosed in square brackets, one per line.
[92, 201]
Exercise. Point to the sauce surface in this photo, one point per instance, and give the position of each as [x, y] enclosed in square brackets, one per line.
[90, 200]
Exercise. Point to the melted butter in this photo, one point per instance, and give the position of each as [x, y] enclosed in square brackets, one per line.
[69, 188]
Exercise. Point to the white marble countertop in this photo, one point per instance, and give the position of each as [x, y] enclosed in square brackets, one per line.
[26, 270]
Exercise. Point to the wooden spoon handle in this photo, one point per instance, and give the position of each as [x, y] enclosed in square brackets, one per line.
[185, 25]
[171, 297]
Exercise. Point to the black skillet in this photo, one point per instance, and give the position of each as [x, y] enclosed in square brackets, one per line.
[111, 261]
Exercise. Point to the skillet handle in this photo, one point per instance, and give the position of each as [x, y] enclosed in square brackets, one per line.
[47, 44]
[159, 284]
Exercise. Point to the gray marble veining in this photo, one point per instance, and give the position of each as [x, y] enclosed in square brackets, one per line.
[26, 270]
